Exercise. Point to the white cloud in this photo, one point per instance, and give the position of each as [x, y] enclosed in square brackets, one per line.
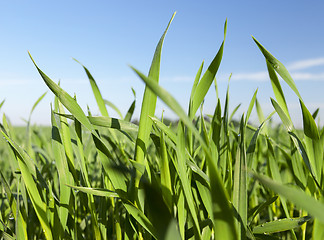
[305, 64]
[252, 76]
[294, 68]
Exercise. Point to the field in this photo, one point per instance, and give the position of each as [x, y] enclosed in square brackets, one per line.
[205, 176]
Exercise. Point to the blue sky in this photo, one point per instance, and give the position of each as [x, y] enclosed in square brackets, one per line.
[108, 36]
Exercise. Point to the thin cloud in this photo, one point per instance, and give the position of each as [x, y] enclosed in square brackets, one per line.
[253, 76]
[305, 64]
[294, 69]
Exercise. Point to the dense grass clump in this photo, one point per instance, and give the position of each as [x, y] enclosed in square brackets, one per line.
[203, 177]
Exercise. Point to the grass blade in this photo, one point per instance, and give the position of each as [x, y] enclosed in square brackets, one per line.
[279, 68]
[149, 103]
[96, 92]
[281, 225]
[207, 79]
[296, 196]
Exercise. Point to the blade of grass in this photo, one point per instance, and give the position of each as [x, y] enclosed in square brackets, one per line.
[223, 214]
[149, 103]
[26, 168]
[63, 172]
[279, 68]
[281, 225]
[96, 91]
[186, 185]
[296, 196]
[207, 79]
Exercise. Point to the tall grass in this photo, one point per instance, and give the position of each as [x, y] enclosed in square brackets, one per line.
[203, 177]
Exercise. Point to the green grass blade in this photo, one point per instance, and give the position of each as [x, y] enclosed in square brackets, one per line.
[159, 214]
[304, 155]
[208, 77]
[36, 103]
[276, 87]
[223, 213]
[283, 116]
[262, 206]
[96, 92]
[65, 99]
[63, 172]
[149, 103]
[130, 111]
[252, 144]
[252, 102]
[102, 192]
[240, 184]
[21, 225]
[26, 167]
[1, 104]
[186, 185]
[141, 218]
[194, 87]
[279, 68]
[296, 196]
[310, 128]
[281, 225]
[166, 183]
[113, 123]
[113, 106]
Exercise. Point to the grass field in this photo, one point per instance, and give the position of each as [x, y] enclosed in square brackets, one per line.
[204, 177]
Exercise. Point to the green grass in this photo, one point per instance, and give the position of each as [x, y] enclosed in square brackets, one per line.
[203, 177]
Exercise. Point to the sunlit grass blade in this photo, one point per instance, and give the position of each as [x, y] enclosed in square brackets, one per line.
[279, 68]
[296, 196]
[240, 184]
[166, 183]
[1, 104]
[96, 92]
[131, 109]
[207, 79]
[185, 183]
[113, 123]
[193, 89]
[149, 103]
[95, 191]
[65, 99]
[283, 116]
[252, 144]
[66, 140]
[310, 128]
[36, 103]
[21, 225]
[223, 213]
[304, 155]
[276, 87]
[64, 175]
[251, 105]
[113, 106]
[76, 111]
[280, 225]
[27, 168]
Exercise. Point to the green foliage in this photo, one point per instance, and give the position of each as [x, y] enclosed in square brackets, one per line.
[203, 177]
